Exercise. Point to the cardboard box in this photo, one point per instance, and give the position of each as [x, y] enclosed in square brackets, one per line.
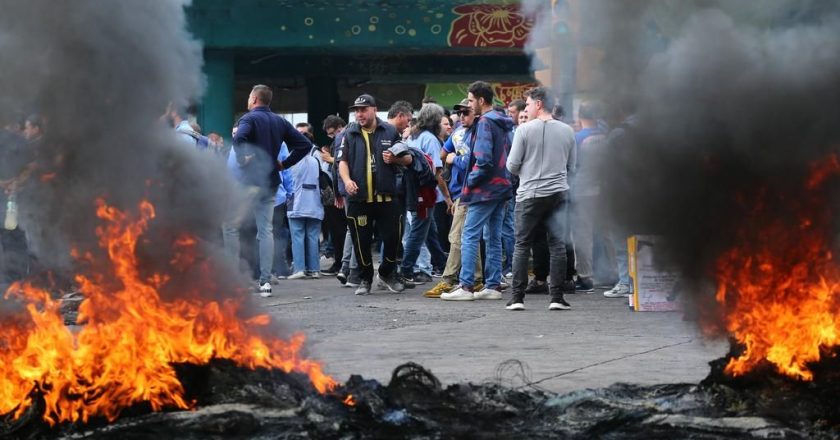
[654, 290]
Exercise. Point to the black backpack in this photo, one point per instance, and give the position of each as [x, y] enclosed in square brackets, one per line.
[324, 184]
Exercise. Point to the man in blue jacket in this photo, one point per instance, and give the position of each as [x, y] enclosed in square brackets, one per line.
[259, 135]
[486, 189]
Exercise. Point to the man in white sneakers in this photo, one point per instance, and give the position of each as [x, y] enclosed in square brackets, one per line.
[486, 190]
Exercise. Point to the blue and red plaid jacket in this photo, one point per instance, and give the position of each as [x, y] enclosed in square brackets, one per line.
[488, 178]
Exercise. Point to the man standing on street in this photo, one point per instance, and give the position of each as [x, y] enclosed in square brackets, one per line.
[486, 189]
[259, 134]
[369, 174]
[458, 157]
[543, 156]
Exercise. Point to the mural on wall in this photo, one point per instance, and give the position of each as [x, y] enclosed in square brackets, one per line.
[489, 25]
[492, 24]
[449, 94]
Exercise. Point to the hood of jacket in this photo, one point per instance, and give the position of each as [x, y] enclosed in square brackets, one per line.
[503, 121]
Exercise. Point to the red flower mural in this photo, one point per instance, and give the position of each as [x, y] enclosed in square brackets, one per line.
[483, 25]
[508, 91]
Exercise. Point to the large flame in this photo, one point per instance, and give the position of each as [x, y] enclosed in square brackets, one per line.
[779, 286]
[130, 336]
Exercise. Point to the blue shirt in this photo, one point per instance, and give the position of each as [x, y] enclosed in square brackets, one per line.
[286, 186]
[458, 143]
[429, 144]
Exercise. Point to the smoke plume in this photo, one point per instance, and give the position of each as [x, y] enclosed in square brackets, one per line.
[732, 101]
[101, 74]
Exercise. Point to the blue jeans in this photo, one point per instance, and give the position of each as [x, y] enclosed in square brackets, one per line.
[281, 242]
[261, 201]
[619, 239]
[415, 236]
[508, 237]
[305, 235]
[490, 213]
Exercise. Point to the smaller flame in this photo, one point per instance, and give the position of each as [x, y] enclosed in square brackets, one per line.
[779, 286]
[349, 400]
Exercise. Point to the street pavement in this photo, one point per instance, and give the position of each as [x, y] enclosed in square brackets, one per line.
[597, 343]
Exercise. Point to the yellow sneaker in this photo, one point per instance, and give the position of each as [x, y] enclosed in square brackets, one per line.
[440, 288]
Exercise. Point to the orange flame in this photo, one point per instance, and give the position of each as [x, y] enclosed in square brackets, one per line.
[349, 400]
[779, 287]
[130, 337]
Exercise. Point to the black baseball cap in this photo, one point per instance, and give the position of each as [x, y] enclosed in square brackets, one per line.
[463, 105]
[363, 101]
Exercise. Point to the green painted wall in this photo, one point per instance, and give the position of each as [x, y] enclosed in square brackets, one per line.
[217, 107]
[359, 24]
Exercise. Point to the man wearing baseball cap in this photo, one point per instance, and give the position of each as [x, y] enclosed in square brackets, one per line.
[369, 172]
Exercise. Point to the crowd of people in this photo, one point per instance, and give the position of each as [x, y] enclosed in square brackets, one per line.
[473, 200]
[479, 197]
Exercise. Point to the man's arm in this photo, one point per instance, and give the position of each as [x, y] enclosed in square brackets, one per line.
[286, 177]
[517, 152]
[571, 168]
[444, 188]
[483, 153]
[349, 186]
[243, 133]
[389, 158]
[299, 146]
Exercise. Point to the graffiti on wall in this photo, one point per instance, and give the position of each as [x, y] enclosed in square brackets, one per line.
[489, 25]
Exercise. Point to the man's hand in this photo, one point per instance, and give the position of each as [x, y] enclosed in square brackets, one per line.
[450, 158]
[388, 157]
[339, 202]
[326, 156]
[10, 185]
[351, 187]
[450, 206]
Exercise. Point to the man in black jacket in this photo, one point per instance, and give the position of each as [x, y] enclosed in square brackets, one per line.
[369, 174]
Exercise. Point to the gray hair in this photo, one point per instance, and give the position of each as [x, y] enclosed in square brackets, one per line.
[428, 119]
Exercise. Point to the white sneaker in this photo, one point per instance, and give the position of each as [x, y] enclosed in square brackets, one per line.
[314, 275]
[488, 294]
[458, 294]
[297, 276]
[509, 275]
[363, 289]
[265, 290]
[619, 291]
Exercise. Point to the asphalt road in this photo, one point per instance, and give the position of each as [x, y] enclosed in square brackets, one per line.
[597, 343]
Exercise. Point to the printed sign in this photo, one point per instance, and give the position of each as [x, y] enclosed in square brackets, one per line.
[654, 290]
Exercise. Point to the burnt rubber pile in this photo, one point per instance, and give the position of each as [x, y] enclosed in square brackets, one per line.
[232, 402]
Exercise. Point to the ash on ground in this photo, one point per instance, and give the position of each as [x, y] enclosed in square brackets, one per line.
[241, 404]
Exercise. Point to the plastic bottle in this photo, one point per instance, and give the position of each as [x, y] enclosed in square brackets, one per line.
[11, 213]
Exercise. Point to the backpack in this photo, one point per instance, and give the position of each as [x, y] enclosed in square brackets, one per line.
[324, 184]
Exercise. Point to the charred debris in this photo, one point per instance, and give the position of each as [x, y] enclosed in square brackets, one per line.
[232, 402]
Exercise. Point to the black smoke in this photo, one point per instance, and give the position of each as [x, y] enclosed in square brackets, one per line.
[732, 101]
[101, 73]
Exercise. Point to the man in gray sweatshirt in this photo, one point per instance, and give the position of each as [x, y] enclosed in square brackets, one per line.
[543, 155]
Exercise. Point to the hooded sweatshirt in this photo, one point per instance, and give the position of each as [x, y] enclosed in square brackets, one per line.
[543, 156]
[306, 202]
[487, 178]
